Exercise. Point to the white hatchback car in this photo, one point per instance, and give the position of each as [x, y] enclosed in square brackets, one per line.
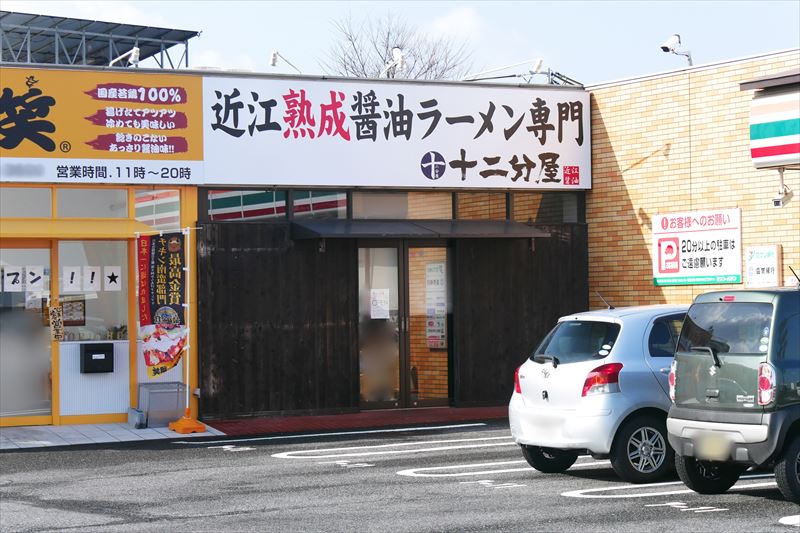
[598, 383]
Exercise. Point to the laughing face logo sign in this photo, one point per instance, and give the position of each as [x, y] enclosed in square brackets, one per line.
[22, 117]
[668, 256]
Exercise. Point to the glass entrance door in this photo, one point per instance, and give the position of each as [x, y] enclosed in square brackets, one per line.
[379, 328]
[405, 318]
[25, 356]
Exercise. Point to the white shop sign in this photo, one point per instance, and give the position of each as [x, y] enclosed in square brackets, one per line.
[368, 133]
[698, 247]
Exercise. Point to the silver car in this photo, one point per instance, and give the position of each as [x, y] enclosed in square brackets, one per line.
[598, 384]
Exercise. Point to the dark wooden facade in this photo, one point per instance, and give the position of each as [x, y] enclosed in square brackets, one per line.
[506, 298]
[278, 318]
[277, 322]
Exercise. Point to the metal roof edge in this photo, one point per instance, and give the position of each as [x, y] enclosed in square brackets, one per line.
[302, 77]
[696, 68]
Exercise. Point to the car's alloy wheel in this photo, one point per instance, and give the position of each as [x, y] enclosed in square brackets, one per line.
[641, 453]
[647, 450]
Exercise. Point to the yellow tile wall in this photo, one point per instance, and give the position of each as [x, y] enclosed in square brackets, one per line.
[679, 142]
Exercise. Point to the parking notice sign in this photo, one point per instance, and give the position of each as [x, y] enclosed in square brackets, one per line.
[697, 248]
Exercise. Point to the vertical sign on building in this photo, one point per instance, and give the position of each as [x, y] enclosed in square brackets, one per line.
[161, 295]
[436, 305]
[697, 248]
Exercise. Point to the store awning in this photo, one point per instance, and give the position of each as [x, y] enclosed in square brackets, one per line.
[416, 229]
[79, 228]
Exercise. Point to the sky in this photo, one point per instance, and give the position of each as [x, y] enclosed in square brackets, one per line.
[589, 41]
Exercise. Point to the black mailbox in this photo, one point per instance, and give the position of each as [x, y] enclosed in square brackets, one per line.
[97, 357]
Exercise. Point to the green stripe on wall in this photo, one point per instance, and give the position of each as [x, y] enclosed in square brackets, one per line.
[775, 129]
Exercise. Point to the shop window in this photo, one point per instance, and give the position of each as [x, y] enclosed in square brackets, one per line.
[526, 205]
[25, 202]
[92, 203]
[319, 204]
[430, 205]
[420, 205]
[93, 277]
[482, 205]
[557, 208]
[381, 205]
[237, 205]
[160, 208]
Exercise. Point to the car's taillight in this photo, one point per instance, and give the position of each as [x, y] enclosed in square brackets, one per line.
[766, 384]
[673, 376]
[603, 379]
[517, 388]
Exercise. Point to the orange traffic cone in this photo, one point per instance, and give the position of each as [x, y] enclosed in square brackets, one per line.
[186, 424]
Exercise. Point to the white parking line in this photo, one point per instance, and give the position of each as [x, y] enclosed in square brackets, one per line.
[306, 435]
[591, 493]
[423, 472]
[793, 520]
[386, 449]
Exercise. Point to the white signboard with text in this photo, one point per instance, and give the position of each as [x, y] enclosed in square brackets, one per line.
[763, 266]
[369, 133]
[697, 248]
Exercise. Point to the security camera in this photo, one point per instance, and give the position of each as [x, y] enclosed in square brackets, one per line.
[778, 201]
[671, 44]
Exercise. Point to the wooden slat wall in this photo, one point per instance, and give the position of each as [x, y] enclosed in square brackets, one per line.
[506, 299]
[277, 322]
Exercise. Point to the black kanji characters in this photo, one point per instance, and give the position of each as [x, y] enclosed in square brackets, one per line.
[571, 112]
[549, 167]
[365, 115]
[540, 116]
[267, 124]
[492, 171]
[400, 121]
[20, 119]
[519, 167]
[463, 164]
[228, 111]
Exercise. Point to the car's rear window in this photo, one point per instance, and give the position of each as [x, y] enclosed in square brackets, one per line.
[728, 327]
[578, 340]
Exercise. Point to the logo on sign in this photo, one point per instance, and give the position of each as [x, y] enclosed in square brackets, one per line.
[572, 175]
[433, 165]
[668, 256]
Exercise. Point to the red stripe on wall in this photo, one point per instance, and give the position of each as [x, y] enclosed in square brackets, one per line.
[783, 149]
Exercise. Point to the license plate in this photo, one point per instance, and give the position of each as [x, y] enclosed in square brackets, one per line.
[713, 447]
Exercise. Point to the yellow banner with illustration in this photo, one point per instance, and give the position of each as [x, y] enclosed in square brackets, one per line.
[100, 127]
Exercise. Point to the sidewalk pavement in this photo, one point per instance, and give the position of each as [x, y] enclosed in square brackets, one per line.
[13, 438]
[361, 420]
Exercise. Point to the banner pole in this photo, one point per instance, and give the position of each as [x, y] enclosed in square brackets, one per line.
[187, 424]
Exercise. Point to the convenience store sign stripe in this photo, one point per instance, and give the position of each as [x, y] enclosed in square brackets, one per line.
[783, 149]
[775, 129]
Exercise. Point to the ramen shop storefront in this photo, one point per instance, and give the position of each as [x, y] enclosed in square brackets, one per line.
[73, 198]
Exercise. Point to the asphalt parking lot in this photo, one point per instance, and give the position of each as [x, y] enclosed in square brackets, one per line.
[464, 477]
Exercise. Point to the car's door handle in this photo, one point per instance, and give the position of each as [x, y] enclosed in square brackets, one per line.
[664, 370]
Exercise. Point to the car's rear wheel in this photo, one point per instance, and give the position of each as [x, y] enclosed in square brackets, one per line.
[641, 453]
[787, 470]
[707, 477]
[549, 460]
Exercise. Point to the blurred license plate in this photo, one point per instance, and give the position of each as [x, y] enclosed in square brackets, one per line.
[713, 447]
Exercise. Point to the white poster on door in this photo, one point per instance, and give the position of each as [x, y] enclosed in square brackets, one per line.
[91, 279]
[112, 278]
[71, 279]
[12, 278]
[379, 303]
[34, 278]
